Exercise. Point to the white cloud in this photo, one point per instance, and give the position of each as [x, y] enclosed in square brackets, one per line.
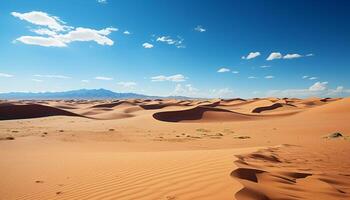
[126, 33]
[252, 77]
[222, 93]
[318, 89]
[103, 78]
[305, 77]
[128, 85]
[44, 31]
[312, 78]
[168, 40]
[310, 54]
[42, 19]
[292, 56]
[173, 78]
[222, 70]
[185, 90]
[52, 76]
[235, 72]
[200, 29]
[102, 1]
[318, 86]
[36, 80]
[147, 45]
[274, 56]
[265, 66]
[6, 75]
[251, 55]
[59, 35]
[41, 41]
[269, 77]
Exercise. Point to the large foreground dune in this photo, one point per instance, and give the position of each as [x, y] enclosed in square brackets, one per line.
[175, 149]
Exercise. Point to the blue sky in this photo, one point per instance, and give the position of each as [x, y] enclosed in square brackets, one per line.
[193, 48]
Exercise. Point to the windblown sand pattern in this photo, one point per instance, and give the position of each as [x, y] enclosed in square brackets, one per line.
[243, 149]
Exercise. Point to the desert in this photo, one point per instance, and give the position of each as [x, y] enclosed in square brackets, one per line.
[175, 149]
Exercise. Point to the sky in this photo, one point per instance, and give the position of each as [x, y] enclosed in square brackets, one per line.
[195, 48]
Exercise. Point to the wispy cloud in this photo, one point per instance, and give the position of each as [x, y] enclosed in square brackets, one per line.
[269, 77]
[102, 1]
[199, 28]
[265, 66]
[173, 78]
[127, 85]
[103, 78]
[37, 80]
[57, 34]
[235, 72]
[318, 86]
[252, 77]
[147, 45]
[251, 55]
[222, 93]
[313, 78]
[171, 41]
[292, 56]
[185, 90]
[278, 55]
[223, 69]
[52, 76]
[6, 75]
[316, 89]
[85, 81]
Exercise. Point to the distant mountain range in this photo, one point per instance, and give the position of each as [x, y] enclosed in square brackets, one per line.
[80, 94]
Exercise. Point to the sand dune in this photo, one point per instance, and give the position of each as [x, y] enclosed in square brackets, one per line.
[201, 113]
[284, 173]
[10, 111]
[175, 149]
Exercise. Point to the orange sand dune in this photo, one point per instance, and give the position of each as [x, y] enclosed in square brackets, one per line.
[137, 149]
[10, 111]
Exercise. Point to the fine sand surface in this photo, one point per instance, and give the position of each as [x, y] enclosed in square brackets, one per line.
[245, 149]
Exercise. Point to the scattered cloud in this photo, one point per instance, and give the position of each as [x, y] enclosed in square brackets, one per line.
[199, 28]
[57, 34]
[147, 45]
[185, 90]
[127, 85]
[317, 89]
[274, 56]
[313, 78]
[292, 56]
[37, 80]
[252, 77]
[6, 75]
[102, 1]
[251, 55]
[126, 33]
[269, 77]
[168, 40]
[52, 76]
[265, 66]
[277, 55]
[103, 78]
[305, 77]
[173, 78]
[222, 70]
[235, 72]
[222, 93]
[318, 86]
